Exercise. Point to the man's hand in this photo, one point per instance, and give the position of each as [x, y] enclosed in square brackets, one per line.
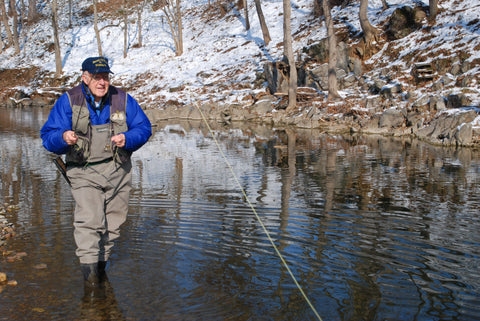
[118, 140]
[70, 137]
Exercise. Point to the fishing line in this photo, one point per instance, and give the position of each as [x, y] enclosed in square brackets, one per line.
[258, 217]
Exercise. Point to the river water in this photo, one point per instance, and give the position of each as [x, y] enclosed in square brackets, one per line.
[370, 228]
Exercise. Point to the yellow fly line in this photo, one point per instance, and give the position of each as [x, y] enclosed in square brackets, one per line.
[258, 217]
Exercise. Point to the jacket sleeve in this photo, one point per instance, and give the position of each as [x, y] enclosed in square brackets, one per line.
[139, 126]
[59, 120]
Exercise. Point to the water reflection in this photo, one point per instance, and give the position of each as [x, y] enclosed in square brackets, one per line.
[99, 303]
[373, 228]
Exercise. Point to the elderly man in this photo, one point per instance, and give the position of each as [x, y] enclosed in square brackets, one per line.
[97, 126]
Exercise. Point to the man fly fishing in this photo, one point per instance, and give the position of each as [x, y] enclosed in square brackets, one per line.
[97, 126]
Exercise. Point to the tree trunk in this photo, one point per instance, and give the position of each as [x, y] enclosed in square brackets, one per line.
[70, 6]
[173, 14]
[11, 5]
[245, 9]
[263, 24]
[180, 29]
[14, 13]
[288, 52]
[139, 22]
[125, 30]
[2, 44]
[369, 32]
[332, 53]
[3, 11]
[433, 9]
[58, 56]
[95, 27]
[286, 180]
[32, 11]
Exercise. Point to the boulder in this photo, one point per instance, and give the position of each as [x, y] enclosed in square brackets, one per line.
[421, 102]
[374, 104]
[377, 86]
[392, 118]
[437, 103]
[404, 21]
[463, 135]
[389, 90]
[458, 100]
[276, 74]
[357, 66]
[318, 52]
[263, 106]
[319, 76]
[450, 128]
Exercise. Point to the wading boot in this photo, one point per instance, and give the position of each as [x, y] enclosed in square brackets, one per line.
[90, 274]
[102, 276]
[93, 289]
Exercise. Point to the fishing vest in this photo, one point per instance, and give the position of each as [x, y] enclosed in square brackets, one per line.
[94, 141]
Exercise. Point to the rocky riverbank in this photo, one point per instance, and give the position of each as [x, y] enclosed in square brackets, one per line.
[447, 127]
[430, 117]
[7, 231]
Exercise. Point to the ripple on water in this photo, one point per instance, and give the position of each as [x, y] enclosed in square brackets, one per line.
[372, 229]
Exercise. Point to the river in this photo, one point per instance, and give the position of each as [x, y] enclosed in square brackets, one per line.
[250, 222]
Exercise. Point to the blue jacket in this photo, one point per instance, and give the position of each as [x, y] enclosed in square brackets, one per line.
[60, 120]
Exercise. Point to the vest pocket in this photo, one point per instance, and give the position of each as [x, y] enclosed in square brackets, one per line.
[119, 122]
[80, 119]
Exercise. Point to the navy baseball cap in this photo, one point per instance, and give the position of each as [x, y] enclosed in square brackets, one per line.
[96, 65]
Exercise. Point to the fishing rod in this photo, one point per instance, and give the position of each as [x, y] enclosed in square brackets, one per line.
[257, 216]
[62, 168]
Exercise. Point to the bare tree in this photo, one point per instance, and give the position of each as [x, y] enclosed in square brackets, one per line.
[70, 7]
[125, 28]
[369, 32]
[58, 57]
[2, 44]
[140, 7]
[263, 24]
[433, 9]
[3, 11]
[180, 28]
[13, 11]
[11, 5]
[95, 27]
[332, 53]
[288, 53]
[172, 11]
[32, 11]
[245, 10]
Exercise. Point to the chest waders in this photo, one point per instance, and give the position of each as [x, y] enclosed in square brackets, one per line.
[101, 181]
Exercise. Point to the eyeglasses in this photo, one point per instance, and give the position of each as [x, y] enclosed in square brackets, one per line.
[98, 77]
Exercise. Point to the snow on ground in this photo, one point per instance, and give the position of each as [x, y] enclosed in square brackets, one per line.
[219, 53]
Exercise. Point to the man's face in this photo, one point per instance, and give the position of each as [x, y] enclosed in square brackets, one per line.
[97, 83]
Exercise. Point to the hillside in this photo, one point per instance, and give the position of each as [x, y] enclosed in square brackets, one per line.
[223, 67]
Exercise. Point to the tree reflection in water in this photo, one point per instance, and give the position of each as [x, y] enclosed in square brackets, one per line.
[373, 228]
